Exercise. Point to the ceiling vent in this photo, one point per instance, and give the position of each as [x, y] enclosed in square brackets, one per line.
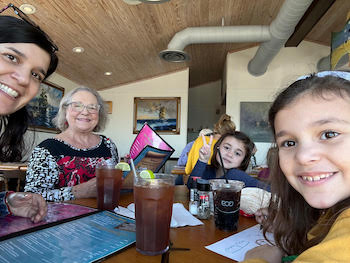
[174, 55]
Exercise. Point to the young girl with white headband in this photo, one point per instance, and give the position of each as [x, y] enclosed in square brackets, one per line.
[310, 206]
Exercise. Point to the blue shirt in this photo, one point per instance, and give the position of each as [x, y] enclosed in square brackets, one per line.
[208, 172]
[184, 155]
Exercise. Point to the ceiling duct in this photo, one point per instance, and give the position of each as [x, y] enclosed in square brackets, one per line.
[227, 34]
[273, 36]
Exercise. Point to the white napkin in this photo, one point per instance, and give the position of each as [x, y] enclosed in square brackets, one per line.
[180, 216]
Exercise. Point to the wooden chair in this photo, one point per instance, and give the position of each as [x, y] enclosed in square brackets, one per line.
[6, 175]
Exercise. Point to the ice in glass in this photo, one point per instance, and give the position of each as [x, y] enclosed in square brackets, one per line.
[227, 198]
[153, 208]
[109, 183]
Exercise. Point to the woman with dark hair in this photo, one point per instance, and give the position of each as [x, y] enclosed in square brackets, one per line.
[236, 149]
[14, 35]
[310, 184]
[27, 57]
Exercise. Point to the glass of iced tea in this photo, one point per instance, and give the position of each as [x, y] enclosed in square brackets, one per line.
[227, 197]
[109, 183]
[153, 199]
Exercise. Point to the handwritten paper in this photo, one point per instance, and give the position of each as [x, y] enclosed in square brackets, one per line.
[235, 246]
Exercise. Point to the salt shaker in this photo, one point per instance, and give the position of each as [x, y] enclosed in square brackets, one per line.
[193, 204]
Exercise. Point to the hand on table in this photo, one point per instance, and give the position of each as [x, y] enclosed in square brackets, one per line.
[261, 215]
[205, 150]
[269, 253]
[85, 190]
[27, 205]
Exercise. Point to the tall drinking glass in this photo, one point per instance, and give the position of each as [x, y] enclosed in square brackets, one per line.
[153, 208]
[109, 183]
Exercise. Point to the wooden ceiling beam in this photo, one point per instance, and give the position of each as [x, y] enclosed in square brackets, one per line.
[312, 15]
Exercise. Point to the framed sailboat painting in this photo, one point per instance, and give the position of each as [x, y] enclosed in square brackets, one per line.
[160, 113]
[44, 107]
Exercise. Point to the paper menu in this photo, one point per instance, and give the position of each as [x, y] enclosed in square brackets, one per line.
[84, 240]
[147, 136]
[235, 246]
[11, 225]
[149, 150]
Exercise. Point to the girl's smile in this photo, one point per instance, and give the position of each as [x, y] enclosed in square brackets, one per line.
[232, 152]
[314, 147]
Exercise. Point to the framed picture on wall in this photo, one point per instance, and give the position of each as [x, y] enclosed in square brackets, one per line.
[254, 121]
[109, 105]
[161, 113]
[44, 107]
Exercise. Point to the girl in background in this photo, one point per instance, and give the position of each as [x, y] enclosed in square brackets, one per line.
[223, 125]
[310, 205]
[236, 149]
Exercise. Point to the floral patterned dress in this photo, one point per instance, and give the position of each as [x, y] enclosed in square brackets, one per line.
[56, 166]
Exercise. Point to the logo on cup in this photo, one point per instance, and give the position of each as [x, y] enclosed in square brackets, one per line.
[227, 203]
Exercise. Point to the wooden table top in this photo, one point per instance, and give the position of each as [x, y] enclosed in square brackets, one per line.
[193, 237]
[178, 170]
[13, 166]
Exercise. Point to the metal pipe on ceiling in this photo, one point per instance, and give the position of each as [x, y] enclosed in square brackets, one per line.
[273, 37]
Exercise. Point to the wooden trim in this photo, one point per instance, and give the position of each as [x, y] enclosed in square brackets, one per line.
[312, 15]
[317, 42]
[244, 48]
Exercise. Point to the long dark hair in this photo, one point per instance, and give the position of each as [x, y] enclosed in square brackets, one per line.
[248, 145]
[289, 214]
[14, 126]
[14, 30]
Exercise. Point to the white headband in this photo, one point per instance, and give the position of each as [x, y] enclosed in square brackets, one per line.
[321, 74]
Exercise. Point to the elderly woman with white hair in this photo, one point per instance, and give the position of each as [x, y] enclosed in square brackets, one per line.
[63, 167]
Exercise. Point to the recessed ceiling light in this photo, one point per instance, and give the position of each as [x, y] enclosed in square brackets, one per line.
[132, 2]
[27, 9]
[108, 73]
[78, 49]
[154, 1]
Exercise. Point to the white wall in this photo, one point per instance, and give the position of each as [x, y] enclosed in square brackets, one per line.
[204, 101]
[286, 67]
[63, 82]
[120, 125]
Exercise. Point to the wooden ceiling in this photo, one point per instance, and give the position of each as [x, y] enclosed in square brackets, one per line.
[126, 39]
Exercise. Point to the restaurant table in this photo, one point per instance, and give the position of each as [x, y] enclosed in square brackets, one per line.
[180, 171]
[193, 237]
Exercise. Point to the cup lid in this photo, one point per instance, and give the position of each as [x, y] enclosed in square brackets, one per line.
[203, 185]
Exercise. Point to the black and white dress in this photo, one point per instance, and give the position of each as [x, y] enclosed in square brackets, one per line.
[56, 166]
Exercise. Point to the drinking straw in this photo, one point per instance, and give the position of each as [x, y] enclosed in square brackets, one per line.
[133, 167]
[222, 165]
